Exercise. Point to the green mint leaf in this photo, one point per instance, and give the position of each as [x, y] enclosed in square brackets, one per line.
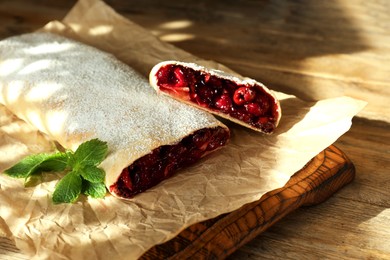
[95, 190]
[92, 174]
[55, 163]
[91, 152]
[38, 163]
[68, 189]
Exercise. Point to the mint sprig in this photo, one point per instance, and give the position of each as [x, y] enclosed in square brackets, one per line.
[82, 173]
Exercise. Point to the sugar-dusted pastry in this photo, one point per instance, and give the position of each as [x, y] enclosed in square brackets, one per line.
[74, 93]
[244, 101]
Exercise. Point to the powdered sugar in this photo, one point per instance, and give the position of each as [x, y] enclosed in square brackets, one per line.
[75, 92]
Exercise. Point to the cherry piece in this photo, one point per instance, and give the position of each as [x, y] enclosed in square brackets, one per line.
[180, 79]
[126, 180]
[254, 109]
[243, 95]
[224, 102]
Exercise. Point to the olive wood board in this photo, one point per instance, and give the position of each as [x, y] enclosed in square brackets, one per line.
[217, 238]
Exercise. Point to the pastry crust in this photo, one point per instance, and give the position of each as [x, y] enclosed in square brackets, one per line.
[74, 92]
[153, 79]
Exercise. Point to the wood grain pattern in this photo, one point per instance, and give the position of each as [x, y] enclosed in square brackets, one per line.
[218, 238]
[313, 49]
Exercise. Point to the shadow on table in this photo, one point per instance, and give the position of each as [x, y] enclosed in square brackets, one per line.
[276, 37]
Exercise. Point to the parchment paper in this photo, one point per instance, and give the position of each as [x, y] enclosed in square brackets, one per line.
[251, 165]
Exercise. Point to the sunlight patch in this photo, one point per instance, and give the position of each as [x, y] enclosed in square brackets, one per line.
[35, 66]
[9, 66]
[180, 24]
[48, 48]
[43, 91]
[100, 30]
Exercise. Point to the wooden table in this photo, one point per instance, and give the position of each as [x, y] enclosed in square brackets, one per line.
[313, 49]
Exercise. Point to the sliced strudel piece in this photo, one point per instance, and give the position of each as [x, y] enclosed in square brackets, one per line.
[244, 101]
[74, 93]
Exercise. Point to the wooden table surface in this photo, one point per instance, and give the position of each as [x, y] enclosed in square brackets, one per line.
[313, 49]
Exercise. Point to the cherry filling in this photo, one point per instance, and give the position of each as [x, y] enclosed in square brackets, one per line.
[163, 161]
[248, 103]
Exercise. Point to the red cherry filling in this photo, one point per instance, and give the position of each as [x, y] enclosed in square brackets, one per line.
[163, 161]
[248, 103]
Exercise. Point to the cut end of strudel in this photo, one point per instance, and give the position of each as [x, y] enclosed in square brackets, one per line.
[243, 101]
[74, 93]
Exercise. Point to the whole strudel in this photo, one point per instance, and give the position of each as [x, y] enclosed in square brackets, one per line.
[73, 93]
[243, 101]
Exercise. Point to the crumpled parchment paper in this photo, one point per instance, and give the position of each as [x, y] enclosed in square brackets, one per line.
[251, 165]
